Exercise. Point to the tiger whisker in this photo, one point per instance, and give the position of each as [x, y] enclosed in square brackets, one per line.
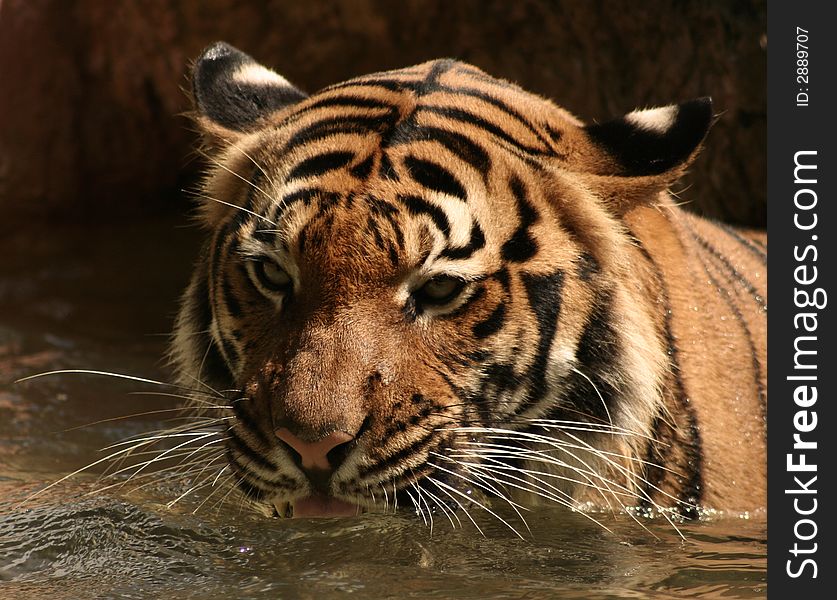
[181, 470]
[371, 494]
[419, 510]
[150, 442]
[515, 506]
[193, 397]
[223, 498]
[199, 485]
[637, 492]
[477, 502]
[632, 476]
[134, 415]
[216, 488]
[90, 372]
[589, 475]
[163, 455]
[218, 163]
[445, 510]
[155, 438]
[236, 206]
[386, 497]
[457, 502]
[482, 486]
[595, 389]
[561, 444]
[418, 489]
[586, 474]
[540, 492]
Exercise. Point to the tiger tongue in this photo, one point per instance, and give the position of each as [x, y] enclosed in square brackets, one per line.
[319, 505]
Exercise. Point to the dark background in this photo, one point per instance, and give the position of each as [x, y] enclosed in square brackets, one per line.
[91, 125]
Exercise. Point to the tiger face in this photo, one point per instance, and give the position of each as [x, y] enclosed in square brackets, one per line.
[419, 289]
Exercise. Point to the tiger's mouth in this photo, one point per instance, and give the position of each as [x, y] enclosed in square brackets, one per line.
[317, 505]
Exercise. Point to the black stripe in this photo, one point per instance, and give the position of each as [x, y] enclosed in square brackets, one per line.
[249, 481]
[464, 116]
[492, 324]
[249, 490]
[321, 164]
[746, 242]
[229, 297]
[691, 489]
[220, 246]
[228, 351]
[401, 456]
[372, 227]
[457, 144]
[476, 242]
[213, 368]
[435, 177]
[502, 275]
[250, 424]
[327, 127]
[439, 68]
[393, 254]
[731, 270]
[391, 84]
[520, 247]
[254, 182]
[757, 371]
[348, 101]
[252, 455]
[419, 206]
[544, 294]
[364, 168]
[385, 168]
[591, 394]
[588, 267]
[390, 213]
[265, 236]
[306, 196]
[505, 108]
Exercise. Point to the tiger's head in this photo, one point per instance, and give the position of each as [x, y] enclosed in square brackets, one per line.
[416, 283]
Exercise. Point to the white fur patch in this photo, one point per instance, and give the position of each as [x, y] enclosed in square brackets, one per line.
[659, 120]
[459, 217]
[256, 74]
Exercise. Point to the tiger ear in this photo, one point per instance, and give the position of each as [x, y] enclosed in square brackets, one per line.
[232, 93]
[647, 150]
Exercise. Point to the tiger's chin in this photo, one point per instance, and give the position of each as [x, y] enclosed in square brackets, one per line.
[317, 506]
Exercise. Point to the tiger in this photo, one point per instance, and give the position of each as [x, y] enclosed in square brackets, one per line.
[427, 290]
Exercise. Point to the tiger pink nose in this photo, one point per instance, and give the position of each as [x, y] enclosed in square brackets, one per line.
[314, 455]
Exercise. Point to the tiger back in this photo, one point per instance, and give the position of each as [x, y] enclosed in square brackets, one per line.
[432, 289]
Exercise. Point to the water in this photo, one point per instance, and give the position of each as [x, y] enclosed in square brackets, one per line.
[104, 299]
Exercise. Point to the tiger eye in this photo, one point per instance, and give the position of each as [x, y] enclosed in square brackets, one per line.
[272, 276]
[440, 290]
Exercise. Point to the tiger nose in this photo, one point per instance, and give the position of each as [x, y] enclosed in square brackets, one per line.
[314, 455]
